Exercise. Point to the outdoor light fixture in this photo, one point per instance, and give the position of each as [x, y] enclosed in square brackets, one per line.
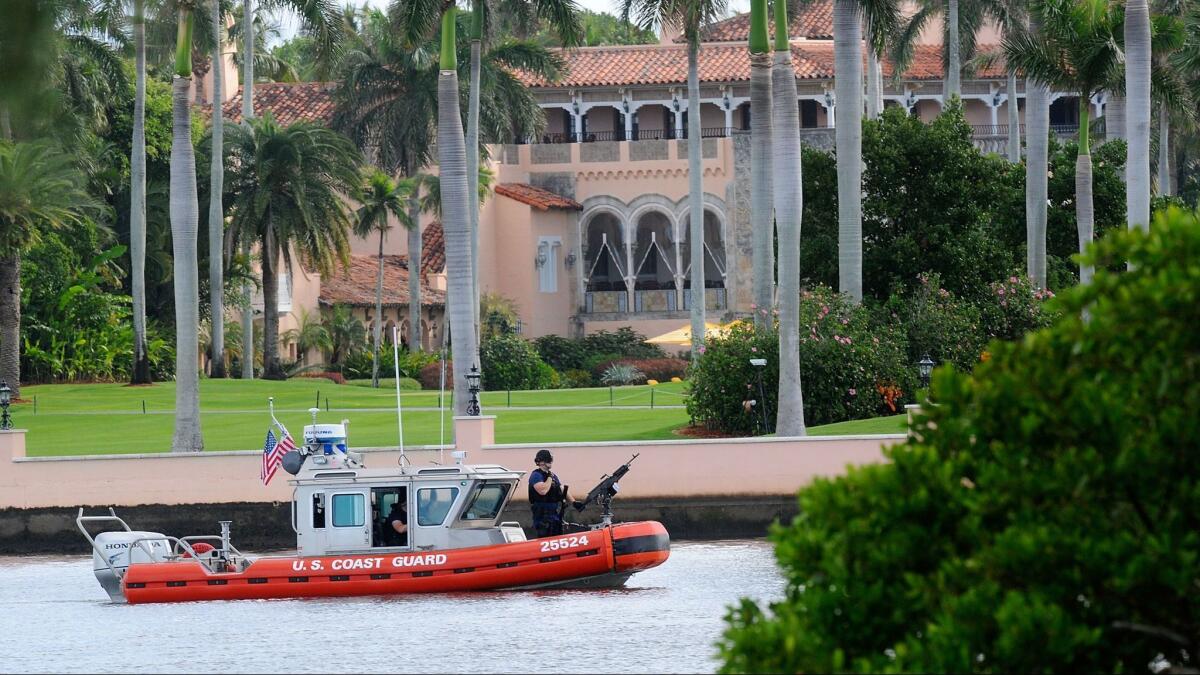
[759, 366]
[725, 98]
[925, 369]
[5, 401]
[473, 387]
[910, 100]
[828, 99]
[540, 259]
[996, 98]
[569, 261]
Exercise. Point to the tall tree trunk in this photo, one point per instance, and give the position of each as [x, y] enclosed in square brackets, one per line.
[272, 368]
[378, 315]
[414, 276]
[1037, 143]
[1084, 214]
[1164, 151]
[185, 221]
[473, 157]
[951, 86]
[1137, 121]
[137, 198]
[789, 205]
[874, 81]
[456, 203]
[247, 115]
[216, 210]
[1014, 121]
[847, 50]
[761, 218]
[10, 322]
[695, 196]
[1114, 118]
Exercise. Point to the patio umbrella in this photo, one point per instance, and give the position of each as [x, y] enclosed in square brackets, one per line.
[683, 336]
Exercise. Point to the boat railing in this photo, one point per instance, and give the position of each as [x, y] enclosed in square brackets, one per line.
[174, 542]
[112, 516]
[211, 537]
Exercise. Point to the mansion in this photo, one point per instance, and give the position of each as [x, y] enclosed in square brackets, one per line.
[586, 227]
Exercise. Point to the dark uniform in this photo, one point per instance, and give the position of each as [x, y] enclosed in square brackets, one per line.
[546, 518]
[390, 536]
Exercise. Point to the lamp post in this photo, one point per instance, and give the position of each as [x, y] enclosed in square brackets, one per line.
[924, 370]
[759, 366]
[5, 401]
[473, 387]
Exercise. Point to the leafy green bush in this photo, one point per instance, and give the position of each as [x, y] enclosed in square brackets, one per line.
[562, 353]
[1045, 521]
[850, 368]
[938, 324]
[587, 353]
[431, 375]
[575, 378]
[510, 362]
[1013, 308]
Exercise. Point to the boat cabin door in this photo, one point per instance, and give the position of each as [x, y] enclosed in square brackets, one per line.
[349, 522]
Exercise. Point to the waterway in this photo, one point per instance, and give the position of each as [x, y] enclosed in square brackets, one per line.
[55, 618]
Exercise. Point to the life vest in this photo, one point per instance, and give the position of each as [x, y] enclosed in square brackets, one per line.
[545, 507]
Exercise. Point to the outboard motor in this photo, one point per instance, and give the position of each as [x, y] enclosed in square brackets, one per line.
[114, 551]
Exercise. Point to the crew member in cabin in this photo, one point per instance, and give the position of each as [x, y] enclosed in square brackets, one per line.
[395, 528]
[546, 496]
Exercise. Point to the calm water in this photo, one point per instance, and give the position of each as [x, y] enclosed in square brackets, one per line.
[53, 618]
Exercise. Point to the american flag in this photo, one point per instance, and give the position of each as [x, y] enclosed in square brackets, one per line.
[273, 452]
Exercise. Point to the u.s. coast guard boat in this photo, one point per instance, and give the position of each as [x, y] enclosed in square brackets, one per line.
[455, 541]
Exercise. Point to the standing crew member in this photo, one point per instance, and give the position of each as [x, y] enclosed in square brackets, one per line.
[546, 494]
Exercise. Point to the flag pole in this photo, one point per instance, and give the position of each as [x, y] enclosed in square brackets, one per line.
[399, 405]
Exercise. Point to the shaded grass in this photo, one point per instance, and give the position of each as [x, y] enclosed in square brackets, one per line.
[894, 424]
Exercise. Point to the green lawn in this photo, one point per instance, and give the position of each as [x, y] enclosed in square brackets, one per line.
[896, 424]
[79, 419]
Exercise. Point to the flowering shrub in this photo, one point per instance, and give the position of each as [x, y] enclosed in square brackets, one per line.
[1013, 308]
[938, 323]
[850, 368]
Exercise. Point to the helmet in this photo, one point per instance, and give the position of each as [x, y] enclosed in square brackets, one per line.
[543, 455]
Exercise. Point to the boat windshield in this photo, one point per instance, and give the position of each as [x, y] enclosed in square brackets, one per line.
[486, 501]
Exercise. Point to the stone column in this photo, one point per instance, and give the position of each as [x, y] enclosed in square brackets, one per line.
[628, 115]
[474, 433]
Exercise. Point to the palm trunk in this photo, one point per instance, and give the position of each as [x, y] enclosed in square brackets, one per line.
[378, 315]
[272, 368]
[1164, 151]
[473, 156]
[847, 39]
[1014, 121]
[874, 82]
[1137, 122]
[414, 276]
[1084, 215]
[10, 322]
[789, 204]
[185, 220]
[247, 61]
[952, 87]
[1037, 142]
[216, 211]
[761, 221]
[247, 115]
[695, 196]
[1114, 118]
[456, 203]
[137, 206]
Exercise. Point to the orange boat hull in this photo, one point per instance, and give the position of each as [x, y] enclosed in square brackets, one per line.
[615, 552]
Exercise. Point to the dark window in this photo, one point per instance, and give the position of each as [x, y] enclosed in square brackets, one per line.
[635, 126]
[1065, 112]
[318, 512]
[485, 503]
[746, 117]
[433, 504]
[808, 114]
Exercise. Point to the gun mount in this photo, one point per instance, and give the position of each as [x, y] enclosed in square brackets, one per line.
[605, 490]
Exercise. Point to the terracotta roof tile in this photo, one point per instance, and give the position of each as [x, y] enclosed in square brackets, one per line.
[287, 102]
[667, 64]
[356, 286]
[812, 22]
[537, 197]
[433, 250]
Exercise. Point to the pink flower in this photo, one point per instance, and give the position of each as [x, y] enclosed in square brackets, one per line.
[763, 312]
[753, 306]
[1000, 291]
[852, 391]
[703, 349]
[1012, 280]
[845, 322]
[754, 349]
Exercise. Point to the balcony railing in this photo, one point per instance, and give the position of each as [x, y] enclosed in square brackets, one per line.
[648, 300]
[620, 135]
[1059, 130]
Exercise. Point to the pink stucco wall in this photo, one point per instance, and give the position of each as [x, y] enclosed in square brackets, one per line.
[694, 468]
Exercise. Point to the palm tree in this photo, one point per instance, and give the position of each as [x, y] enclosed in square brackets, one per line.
[216, 210]
[347, 335]
[185, 217]
[381, 197]
[40, 189]
[137, 209]
[691, 15]
[848, 16]
[289, 184]
[789, 204]
[1137, 113]
[762, 223]
[960, 24]
[309, 333]
[1037, 164]
[1078, 50]
[563, 17]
